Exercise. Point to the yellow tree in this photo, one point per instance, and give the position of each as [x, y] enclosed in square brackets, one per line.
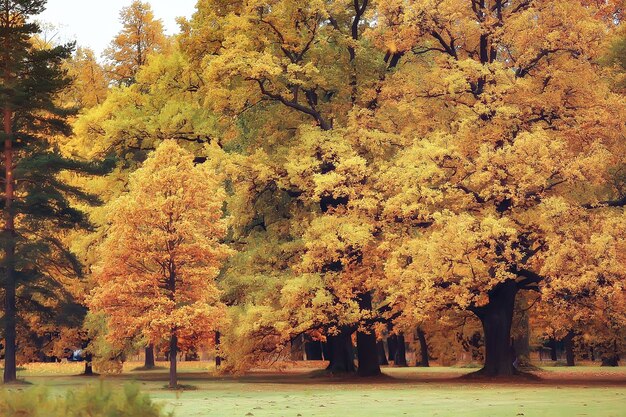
[140, 36]
[162, 253]
[291, 75]
[491, 186]
[89, 81]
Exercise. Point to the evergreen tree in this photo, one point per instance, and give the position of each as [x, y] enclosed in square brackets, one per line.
[37, 205]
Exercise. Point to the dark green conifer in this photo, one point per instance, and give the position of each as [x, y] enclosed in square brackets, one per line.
[38, 207]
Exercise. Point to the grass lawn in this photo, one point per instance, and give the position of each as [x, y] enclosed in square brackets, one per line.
[583, 391]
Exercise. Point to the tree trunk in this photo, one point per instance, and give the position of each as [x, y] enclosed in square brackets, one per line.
[423, 349]
[399, 358]
[313, 350]
[568, 341]
[218, 358]
[173, 356]
[496, 318]
[610, 360]
[340, 352]
[521, 341]
[149, 360]
[297, 348]
[553, 356]
[382, 355]
[325, 351]
[367, 352]
[392, 343]
[10, 310]
[88, 365]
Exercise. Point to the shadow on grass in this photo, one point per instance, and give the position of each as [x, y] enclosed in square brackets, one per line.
[390, 376]
[18, 383]
[148, 368]
[518, 376]
[181, 387]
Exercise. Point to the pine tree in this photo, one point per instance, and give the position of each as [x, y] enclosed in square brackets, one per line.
[36, 204]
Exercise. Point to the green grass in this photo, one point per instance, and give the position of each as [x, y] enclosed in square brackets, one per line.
[432, 392]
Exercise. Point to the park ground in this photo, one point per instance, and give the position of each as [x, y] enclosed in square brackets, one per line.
[301, 392]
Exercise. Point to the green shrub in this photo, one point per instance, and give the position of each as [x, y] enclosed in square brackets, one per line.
[93, 401]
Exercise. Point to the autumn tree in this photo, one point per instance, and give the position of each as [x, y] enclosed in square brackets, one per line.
[89, 85]
[491, 194]
[162, 103]
[140, 36]
[162, 253]
[293, 75]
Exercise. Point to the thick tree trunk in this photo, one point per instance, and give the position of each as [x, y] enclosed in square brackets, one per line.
[382, 355]
[341, 354]
[568, 341]
[399, 358]
[367, 352]
[10, 310]
[521, 342]
[149, 359]
[173, 357]
[423, 349]
[313, 350]
[496, 318]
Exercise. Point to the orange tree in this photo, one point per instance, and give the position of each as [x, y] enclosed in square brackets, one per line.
[141, 35]
[162, 253]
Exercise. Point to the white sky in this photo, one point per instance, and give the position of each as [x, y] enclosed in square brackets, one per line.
[93, 23]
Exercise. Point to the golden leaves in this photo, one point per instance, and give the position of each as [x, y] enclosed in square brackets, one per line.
[163, 251]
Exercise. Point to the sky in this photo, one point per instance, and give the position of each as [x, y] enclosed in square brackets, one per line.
[93, 23]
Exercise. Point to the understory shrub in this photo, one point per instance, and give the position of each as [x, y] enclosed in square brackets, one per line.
[93, 401]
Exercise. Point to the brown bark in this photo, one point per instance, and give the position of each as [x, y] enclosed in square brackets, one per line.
[10, 310]
[173, 356]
